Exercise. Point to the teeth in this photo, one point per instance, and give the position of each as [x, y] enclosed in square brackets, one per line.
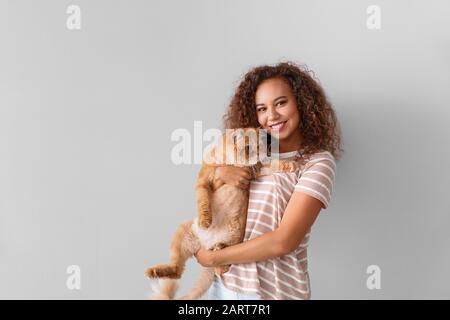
[278, 125]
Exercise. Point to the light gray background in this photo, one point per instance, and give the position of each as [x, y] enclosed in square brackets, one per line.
[86, 117]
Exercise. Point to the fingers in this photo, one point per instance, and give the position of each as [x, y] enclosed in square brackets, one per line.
[244, 178]
[238, 177]
[244, 186]
[247, 174]
[243, 183]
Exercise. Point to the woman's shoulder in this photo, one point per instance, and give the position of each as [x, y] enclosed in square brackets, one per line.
[322, 154]
[319, 156]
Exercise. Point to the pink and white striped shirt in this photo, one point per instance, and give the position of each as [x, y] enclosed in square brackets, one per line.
[283, 277]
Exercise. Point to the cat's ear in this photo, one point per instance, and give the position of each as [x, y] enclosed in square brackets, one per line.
[236, 135]
[233, 137]
[209, 157]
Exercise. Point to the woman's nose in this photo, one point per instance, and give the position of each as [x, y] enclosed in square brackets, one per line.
[273, 114]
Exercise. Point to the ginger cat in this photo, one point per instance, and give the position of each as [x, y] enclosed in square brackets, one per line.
[222, 211]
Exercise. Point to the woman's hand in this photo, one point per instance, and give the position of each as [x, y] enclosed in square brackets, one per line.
[205, 257]
[234, 176]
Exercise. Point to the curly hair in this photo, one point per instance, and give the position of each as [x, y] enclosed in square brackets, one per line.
[318, 122]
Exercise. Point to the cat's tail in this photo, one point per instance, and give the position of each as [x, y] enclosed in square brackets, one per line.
[165, 290]
[202, 284]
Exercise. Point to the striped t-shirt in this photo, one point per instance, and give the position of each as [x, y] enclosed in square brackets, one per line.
[283, 277]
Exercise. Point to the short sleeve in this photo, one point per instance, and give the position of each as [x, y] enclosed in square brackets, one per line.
[318, 177]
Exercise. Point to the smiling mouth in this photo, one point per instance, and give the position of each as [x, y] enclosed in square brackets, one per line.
[278, 125]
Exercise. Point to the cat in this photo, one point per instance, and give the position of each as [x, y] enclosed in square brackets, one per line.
[222, 211]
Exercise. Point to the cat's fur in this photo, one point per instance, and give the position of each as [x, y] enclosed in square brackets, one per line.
[222, 212]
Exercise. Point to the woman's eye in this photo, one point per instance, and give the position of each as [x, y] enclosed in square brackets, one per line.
[280, 103]
[261, 109]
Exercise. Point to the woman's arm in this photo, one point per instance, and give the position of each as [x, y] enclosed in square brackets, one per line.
[301, 212]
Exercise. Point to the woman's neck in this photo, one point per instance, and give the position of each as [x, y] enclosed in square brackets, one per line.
[291, 143]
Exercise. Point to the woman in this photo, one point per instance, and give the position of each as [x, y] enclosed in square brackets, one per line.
[271, 262]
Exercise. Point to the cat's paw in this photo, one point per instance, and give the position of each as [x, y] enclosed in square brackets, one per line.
[291, 166]
[163, 271]
[222, 269]
[219, 246]
[151, 273]
[204, 223]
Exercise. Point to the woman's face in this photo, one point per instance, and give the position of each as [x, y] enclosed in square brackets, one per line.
[276, 109]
